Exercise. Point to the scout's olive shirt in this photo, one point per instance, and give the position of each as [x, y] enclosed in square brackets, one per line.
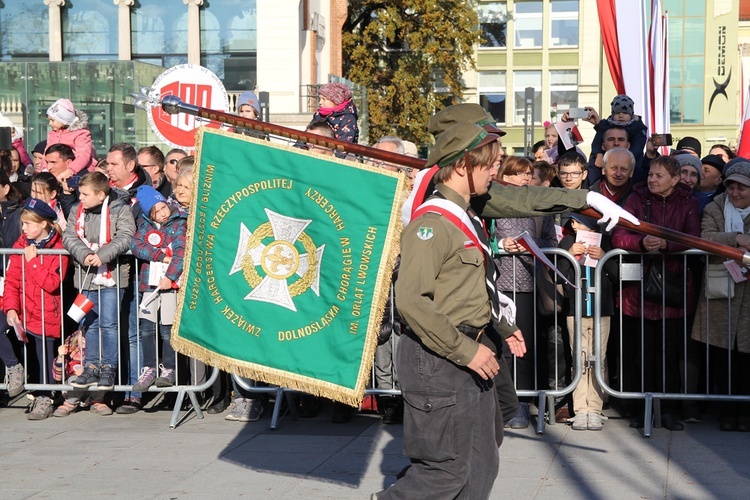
[441, 283]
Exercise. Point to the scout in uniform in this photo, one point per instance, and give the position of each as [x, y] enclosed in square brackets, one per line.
[446, 362]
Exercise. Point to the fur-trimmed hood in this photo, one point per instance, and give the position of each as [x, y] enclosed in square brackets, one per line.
[82, 121]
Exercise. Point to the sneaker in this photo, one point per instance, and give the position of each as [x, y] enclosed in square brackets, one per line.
[596, 421]
[130, 406]
[41, 408]
[671, 423]
[101, 409]
[521, 419]
[218, 407]
[89, 377]
[256, 410]
[146, 380]
[166, 378]
[691, 412]
[14, 377]
[107, 378]
[743, 424]
[241, 411]
[580, 422]
[65, 409]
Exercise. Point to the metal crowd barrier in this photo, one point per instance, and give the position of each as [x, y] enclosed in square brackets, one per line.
[631, 270]
[542, 391]
[547, 391]
[196, 385]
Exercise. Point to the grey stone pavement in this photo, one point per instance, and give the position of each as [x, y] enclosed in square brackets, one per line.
[139, 456]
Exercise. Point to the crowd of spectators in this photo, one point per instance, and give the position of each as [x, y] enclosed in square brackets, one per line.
[128, 196]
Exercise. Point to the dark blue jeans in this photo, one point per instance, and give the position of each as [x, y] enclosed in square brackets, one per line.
[149, 342]
[101, 326]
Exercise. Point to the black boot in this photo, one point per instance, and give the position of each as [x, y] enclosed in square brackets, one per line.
[390, 406]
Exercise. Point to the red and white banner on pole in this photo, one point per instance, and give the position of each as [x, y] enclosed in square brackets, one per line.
[638, 58]
[743, 148]
[658, 122]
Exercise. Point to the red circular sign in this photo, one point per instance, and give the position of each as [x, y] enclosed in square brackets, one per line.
[195, 85]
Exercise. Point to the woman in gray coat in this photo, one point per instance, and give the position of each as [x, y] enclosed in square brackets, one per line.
[725, 325]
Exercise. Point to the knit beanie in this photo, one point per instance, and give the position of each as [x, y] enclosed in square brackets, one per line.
[715, 161]
[40, 147]
[623, 104]
[250, 99]
[336, 92]
[691, 161]
[63, 111]
[5, 121]
[148, 197]
[690, 143]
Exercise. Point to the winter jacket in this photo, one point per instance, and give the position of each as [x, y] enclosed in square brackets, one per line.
[516, 273]
[40, 308]
[122, 229]
[678, 211]
[78, 137]
[10, 223]
[717, 311]
[637, 137]
[164, 187]
[172, 235]
[343, 123]
[622, 198]
[23, 155]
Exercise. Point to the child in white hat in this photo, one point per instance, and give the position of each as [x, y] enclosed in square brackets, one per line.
[70, 126]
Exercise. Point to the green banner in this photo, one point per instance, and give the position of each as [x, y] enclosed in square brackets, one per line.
[288, 264]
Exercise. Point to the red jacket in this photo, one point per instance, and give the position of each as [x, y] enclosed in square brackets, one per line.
[678, 211]
[43, 275]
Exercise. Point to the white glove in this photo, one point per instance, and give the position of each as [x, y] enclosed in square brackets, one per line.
[610, 210]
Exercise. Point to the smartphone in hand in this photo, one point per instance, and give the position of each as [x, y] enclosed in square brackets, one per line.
[576, 113]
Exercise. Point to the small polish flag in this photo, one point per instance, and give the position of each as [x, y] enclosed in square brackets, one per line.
[80, 308]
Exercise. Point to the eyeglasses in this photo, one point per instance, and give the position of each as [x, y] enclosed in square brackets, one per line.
[523, 174]
[573, 175]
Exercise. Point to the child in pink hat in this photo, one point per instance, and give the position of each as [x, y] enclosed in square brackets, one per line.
[338, 110]
[70, 126]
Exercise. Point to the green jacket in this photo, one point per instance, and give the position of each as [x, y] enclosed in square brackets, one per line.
[441, 284]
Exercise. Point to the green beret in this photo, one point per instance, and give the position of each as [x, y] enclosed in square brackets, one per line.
[467, 112]
[457, 140]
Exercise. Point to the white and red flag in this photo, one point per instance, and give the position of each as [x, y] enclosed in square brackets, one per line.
[638, 57]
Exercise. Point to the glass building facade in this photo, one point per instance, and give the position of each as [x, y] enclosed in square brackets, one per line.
[91, 74]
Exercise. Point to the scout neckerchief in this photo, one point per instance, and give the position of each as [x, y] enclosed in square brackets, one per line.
[422, 183]
[470, 224]
[103, 275]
